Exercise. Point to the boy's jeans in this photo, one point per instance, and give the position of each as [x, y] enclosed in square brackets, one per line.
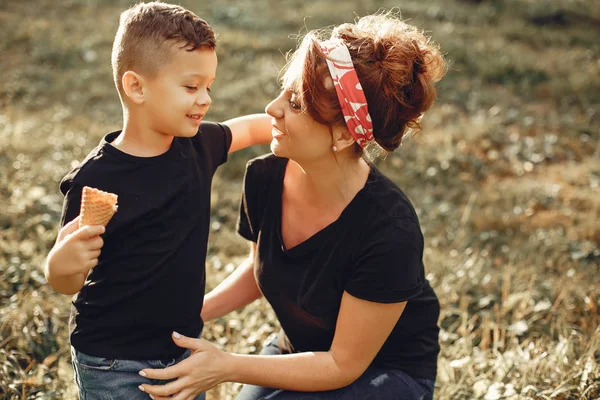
[104, 379]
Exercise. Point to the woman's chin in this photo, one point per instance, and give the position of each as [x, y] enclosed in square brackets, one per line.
[276, 149]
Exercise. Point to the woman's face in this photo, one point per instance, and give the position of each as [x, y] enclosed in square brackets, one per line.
[296, 135]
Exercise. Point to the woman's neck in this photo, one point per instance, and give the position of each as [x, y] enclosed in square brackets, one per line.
[328, 182]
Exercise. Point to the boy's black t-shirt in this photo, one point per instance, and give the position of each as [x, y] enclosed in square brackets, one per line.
[373, 251]
[150, 278]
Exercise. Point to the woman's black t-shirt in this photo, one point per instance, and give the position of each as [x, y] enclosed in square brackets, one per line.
[373, 251]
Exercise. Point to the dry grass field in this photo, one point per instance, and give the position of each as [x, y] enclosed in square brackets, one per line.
[505, 178]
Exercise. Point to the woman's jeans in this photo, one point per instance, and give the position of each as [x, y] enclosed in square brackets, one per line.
[375, 383]
[105, 379]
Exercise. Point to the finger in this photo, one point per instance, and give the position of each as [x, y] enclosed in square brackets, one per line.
[89, 231]
[186, 394]
[95, 243]
[188, 342]
[176, 396]
[92, 263]
[171, 372]
[192, 394]
[94, 254]
[164, 390]
[69, 228]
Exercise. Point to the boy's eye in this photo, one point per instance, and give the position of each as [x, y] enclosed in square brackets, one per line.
[195, 88]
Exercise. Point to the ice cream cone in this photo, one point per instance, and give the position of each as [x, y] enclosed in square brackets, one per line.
[97, 206]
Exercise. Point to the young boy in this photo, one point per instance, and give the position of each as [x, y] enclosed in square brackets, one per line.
[145, 277]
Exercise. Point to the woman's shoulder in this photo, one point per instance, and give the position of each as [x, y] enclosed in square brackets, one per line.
[265, 168]
[268, 160]
[390, 207]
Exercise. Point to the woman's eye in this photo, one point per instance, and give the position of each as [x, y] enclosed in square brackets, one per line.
[295, 105]
[192, 88]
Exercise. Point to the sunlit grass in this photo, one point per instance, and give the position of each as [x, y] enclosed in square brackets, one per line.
[504, 177]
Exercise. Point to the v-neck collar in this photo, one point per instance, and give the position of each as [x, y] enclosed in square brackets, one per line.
[313, 242]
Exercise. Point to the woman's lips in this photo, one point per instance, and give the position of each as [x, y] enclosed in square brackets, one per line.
[276, 132]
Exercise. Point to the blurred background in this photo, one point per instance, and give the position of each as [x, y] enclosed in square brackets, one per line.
[505, 177]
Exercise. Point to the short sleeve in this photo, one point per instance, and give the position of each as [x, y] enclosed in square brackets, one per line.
[388, 265]
[72, 201]
[213, 141]
[249, 217]
[259, 182]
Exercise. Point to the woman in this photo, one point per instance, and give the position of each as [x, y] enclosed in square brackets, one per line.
[336, 246]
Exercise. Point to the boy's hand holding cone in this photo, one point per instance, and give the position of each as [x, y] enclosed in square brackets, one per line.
[78, 244]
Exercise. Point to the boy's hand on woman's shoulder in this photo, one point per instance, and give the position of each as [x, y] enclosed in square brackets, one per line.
[75, 252]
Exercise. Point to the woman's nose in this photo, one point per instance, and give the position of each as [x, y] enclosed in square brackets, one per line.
[274, 110]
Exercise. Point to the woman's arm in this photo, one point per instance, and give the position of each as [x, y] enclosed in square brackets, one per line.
[237, 290]
[362, 328]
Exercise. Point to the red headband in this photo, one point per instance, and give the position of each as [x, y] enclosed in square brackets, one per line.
[349, 90]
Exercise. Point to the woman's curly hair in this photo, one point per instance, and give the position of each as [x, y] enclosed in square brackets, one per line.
[397, 66]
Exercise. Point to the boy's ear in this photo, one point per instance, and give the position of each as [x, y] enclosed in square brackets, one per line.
[133, 86]
[342, 137]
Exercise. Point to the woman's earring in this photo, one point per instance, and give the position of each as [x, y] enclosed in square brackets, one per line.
[334, 148]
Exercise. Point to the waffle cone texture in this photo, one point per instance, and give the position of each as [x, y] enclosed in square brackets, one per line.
[97, 206]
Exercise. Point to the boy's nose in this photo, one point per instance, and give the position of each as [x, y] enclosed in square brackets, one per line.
[204, 100]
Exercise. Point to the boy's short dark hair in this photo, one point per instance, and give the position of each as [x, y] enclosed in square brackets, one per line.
[148, 33]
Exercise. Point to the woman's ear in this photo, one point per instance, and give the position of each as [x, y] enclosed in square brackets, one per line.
[133, 86]
[342, 137]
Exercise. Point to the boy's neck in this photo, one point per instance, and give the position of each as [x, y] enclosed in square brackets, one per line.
[139, 140]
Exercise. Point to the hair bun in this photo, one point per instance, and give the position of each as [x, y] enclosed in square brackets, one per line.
[397, 66]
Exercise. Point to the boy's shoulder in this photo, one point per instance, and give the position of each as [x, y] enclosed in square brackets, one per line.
[91, 170]
[212, 138]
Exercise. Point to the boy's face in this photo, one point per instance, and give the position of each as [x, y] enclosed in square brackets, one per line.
[177, 98]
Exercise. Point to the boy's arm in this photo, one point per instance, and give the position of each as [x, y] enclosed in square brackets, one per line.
[75, 252]
[249, 130]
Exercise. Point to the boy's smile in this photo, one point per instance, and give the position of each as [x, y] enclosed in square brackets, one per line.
[196, 118]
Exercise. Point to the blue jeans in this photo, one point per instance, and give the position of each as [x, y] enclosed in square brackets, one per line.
[105, 379]
[375, 383]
